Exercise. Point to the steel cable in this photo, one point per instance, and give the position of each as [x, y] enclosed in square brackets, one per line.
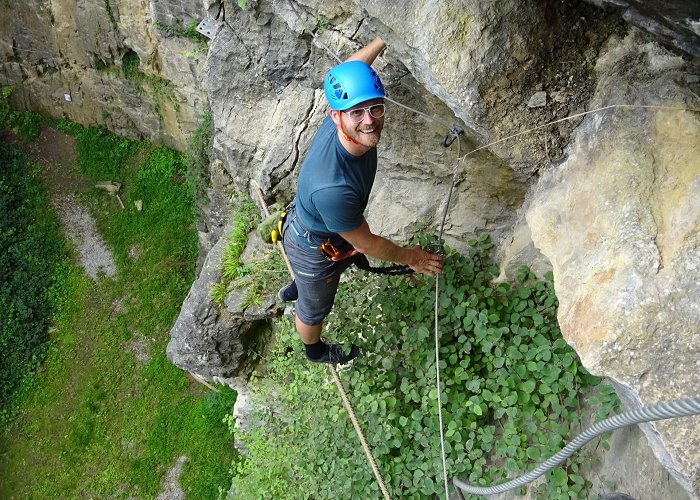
[672, 409]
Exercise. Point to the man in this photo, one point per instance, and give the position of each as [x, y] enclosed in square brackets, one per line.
[332, 193]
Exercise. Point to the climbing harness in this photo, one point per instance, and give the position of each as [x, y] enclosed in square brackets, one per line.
[330, 250]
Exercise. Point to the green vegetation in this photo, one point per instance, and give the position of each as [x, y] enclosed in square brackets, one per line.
[33, 272]
[511, 389]
[159, 88]
[131, 67]
[189, 31]
[245, 218]
[110, 15]
[109, 415]
[321, 22]
[102, 154]
[262, 277]
[178, 29]
[26, 124]
[197, 157]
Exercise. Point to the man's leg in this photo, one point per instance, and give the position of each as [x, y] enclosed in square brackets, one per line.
[309, 334]
[316, 285]
[313, 305]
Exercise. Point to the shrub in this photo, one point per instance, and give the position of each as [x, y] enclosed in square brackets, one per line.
[32, 254]
[26, 124]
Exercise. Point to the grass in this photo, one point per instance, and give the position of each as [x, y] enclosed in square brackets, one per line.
[244, 220]
[98, 423]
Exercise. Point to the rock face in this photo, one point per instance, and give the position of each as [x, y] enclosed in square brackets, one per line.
[67, 58]
[211, 340]
[609, 202]
[675, 22]
[620, 222]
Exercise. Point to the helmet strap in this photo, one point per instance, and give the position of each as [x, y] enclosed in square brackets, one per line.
[344, 135]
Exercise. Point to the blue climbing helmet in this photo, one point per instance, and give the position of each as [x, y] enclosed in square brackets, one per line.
[351, 83]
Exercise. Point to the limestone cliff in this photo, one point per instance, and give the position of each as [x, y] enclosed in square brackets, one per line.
[608, 201]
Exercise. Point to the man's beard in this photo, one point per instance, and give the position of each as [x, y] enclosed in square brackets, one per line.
[367, 140]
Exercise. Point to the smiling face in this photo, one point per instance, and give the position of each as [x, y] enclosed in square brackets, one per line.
[366, 133]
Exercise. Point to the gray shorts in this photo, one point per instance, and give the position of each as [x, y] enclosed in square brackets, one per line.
[317, 278]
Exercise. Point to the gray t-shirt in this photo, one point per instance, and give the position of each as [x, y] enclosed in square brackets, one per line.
[334, 186]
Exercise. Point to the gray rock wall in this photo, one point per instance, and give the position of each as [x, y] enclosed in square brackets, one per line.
[75, 48]
[620, 222]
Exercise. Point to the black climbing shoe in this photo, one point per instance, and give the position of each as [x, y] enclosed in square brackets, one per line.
[335, 355]
[288, 293]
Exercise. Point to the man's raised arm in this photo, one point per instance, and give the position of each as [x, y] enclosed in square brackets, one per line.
[369, 52]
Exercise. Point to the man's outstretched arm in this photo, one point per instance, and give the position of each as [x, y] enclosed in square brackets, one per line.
[375, 246]
[369, 52]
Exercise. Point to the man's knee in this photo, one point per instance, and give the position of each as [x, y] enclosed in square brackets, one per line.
[312, 316]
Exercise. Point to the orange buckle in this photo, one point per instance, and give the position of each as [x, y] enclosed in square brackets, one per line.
[329, 250]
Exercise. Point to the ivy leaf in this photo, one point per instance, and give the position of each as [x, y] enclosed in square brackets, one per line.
[559, 477]
[528, 386]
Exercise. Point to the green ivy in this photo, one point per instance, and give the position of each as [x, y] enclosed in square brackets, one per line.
[511, 389]
[33, 260]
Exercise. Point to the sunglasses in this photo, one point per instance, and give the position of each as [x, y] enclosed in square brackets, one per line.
[358, 114]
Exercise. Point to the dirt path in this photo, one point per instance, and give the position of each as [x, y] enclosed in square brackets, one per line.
[55, 152]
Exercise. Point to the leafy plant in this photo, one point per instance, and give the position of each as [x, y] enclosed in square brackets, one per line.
[511, 389]
[33, 260]
[26, 124]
